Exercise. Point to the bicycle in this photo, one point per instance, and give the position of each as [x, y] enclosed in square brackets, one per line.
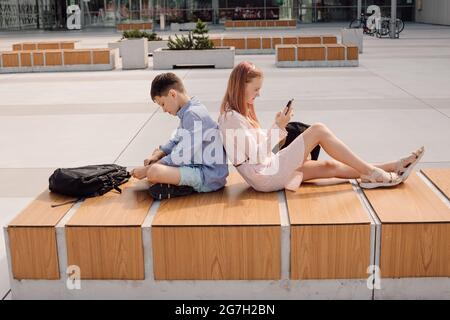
[382, 30]
[385, 27]
[361, 22]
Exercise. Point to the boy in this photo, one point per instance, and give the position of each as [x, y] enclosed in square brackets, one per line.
[181, 166]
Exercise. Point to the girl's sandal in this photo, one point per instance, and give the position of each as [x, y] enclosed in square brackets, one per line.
[379, 178]
[405, 170]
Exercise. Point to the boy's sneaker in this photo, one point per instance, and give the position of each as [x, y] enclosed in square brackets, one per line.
[160, 191]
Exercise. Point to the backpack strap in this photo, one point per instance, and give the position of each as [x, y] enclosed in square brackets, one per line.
[67, 202]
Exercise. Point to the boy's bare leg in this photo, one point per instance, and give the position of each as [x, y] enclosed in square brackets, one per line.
[158, 173]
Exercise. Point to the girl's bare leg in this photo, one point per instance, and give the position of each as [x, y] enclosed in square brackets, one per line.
[318, 133]
[323, 169]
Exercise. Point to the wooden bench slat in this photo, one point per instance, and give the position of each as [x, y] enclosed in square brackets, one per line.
[32, 237]
[104, 236]
[440, 178]
[415, 250]
[231, 234]
[323, 205]
[33, 253]
[237, 204]
[414, 232]
[330, 232]
[106, 252]
[40, 213]
[114, 209]
[412, 201]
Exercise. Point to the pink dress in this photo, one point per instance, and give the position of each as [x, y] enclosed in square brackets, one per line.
[250, 151]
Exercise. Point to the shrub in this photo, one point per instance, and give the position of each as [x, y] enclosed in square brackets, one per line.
[195, 40]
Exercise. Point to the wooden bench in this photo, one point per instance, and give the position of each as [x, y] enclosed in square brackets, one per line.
[32, 238]
[54, 45]
[104, 236]
[317, 55]
[267, 44]
[134, 26]
[231, 234]
[440, 177]
[330, 233]
[415, 230]
[260, 24]
[58, 60]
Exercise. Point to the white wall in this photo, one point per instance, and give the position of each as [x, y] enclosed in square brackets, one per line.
[433, 11]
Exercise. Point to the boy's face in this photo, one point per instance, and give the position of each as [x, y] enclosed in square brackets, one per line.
[169, 103]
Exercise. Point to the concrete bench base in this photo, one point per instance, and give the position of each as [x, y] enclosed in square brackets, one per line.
[413, 289]
[220, 58]
[264, 290]
[310, 64]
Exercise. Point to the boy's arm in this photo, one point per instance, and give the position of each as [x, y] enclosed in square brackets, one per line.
[192, 146]
[168, 147]
[156, 155]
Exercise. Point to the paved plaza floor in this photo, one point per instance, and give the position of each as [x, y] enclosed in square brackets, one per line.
[396, 100]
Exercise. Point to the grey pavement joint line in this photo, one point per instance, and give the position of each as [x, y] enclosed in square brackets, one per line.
[137, 133]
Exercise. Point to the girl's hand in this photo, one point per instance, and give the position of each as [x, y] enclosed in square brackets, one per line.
[282, 119]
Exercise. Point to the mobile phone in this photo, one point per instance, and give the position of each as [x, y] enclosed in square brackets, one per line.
[288, 106]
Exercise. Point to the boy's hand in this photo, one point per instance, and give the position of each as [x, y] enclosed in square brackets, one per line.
[155, 157]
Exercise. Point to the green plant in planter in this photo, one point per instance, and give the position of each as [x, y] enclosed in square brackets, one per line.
[136, 34]
[181, 43]
[201, 39]
[195, 40]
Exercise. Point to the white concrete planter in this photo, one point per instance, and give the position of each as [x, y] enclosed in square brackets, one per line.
[134, 53]
[182, 26]
[115, 45]
[220, 58]
[353, 36]
[153, 45]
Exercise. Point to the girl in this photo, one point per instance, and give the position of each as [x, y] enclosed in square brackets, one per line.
[267, 171]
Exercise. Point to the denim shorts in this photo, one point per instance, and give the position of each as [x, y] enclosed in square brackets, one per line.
[192, 176]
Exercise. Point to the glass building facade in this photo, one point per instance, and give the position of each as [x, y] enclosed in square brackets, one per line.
[51, 14]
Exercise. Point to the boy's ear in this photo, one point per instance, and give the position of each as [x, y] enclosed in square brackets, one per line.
[172, 93]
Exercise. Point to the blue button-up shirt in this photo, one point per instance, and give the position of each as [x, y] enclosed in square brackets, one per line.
[197, 143]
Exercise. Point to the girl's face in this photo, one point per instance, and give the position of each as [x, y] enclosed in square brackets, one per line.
[252, 90]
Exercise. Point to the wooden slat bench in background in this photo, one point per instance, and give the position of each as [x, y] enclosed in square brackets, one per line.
[316, 55]
[330, 233]
[104, 236]
[440, 177]
[148, 26]
[58, 60]
[260, 24]
[32, 238]
[267, 44]
[52, 45]
[231, 234]
[415, 230]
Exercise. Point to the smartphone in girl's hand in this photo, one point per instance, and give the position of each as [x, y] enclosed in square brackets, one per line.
[289, 106]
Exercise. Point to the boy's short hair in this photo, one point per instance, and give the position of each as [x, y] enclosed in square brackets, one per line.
[163, 83]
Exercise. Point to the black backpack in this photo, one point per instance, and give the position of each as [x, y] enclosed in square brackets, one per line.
[88, 181]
